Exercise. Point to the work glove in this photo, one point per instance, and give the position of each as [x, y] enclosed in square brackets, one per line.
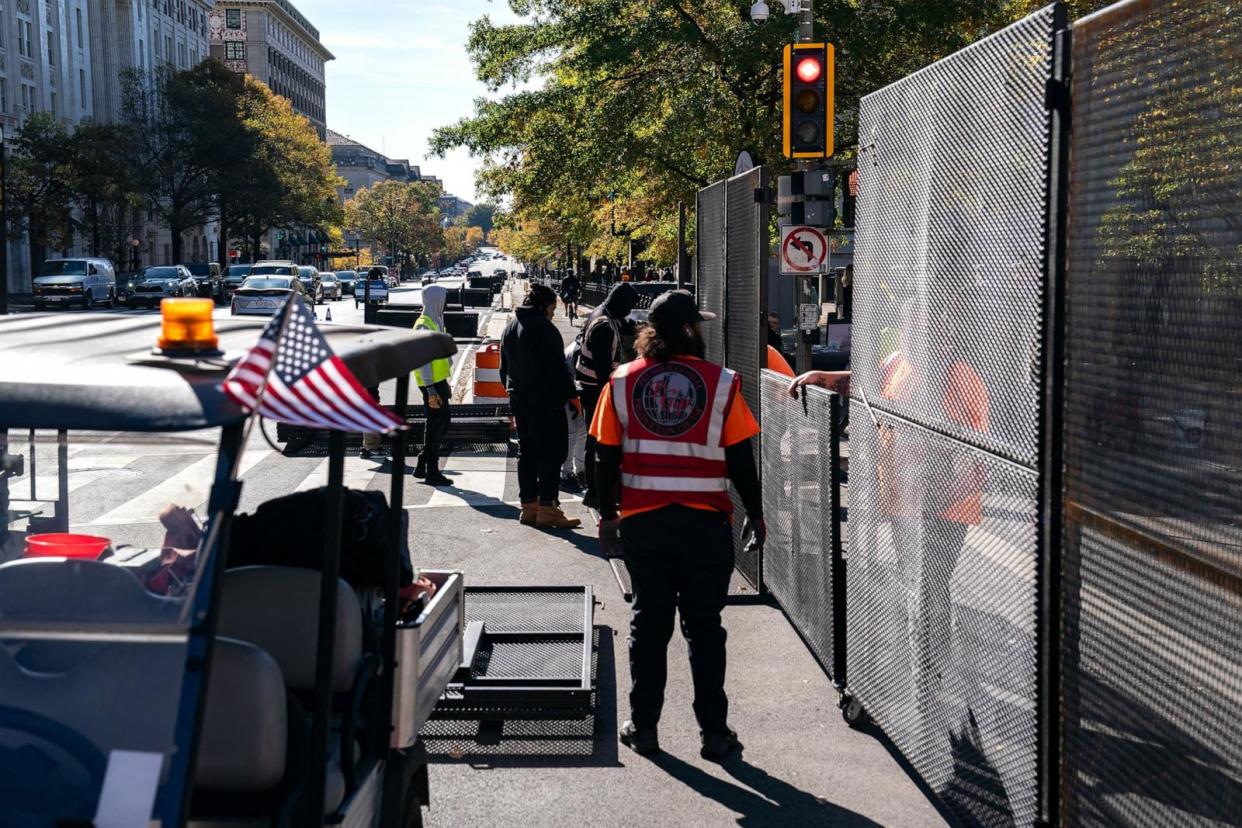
[610, 538]
[758, 533]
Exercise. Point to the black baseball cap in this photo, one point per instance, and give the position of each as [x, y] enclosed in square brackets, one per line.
[676, 307]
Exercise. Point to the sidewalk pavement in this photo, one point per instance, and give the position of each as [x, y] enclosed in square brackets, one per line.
[802, 766]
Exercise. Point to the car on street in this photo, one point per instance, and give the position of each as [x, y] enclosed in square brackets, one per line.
[264, 295]
[330, 286]
[161, 282]
[347, 279]
[82, 282]
[209, 279]
[312, 283]
[234, 276]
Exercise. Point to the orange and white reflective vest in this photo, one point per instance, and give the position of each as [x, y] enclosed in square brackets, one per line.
[672, 417]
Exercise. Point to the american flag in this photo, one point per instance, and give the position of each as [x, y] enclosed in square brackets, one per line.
[306, 384]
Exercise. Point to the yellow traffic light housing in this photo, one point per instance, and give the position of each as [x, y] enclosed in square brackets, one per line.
[808, 100]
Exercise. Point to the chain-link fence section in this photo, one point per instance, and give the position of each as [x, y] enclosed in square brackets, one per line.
[709, 278]
[802, 563]
[1152, 647]
[945, 443]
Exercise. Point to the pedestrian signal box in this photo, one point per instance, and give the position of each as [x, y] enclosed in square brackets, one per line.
[808, 99]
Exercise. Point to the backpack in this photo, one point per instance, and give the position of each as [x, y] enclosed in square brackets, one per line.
[288, 531]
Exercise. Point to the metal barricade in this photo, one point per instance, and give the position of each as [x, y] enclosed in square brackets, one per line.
[1151, 651]
[803, 566]
[709, 277]
[951, 262]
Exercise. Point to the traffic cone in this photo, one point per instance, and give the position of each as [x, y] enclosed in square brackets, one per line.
[328, 318]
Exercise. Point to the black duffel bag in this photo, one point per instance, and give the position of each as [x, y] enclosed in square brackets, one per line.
[288, 531]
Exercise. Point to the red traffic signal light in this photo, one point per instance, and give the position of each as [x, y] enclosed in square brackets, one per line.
[808, 112]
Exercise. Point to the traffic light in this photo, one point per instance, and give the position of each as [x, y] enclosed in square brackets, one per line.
[808, 86]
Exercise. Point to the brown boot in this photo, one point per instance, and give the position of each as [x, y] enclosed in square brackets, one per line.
[530, 513]
[551, 517]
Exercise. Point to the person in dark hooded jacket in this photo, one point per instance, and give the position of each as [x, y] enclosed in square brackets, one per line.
[600, 353]
[533, 369]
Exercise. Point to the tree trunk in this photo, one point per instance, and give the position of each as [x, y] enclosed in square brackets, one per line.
[96, 242]
[222, 246]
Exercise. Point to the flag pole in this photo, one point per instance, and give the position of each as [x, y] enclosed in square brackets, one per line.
[287, 313]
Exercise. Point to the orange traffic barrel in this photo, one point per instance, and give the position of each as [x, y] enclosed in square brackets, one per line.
[487, 385]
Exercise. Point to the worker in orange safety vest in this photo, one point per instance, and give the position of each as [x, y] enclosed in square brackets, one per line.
[673, 430]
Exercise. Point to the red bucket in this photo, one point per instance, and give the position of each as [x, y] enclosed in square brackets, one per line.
[65, 545]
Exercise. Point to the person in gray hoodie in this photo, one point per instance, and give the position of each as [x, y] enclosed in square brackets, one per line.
[432, 380]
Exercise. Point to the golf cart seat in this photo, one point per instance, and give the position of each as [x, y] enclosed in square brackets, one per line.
[84, 591]
[276, 608]
[244, 741]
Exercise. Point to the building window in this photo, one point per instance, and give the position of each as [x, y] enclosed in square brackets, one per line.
[82, 86]
[155, 43]
[53, 110]
[4, 97]
[168, 49]
[232, 18]
[79, 19]
[142, 56]
[3, 28]
[234, 50]
[51, 51]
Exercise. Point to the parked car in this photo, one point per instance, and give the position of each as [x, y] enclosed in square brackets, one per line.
[234, 276]
[210, 280]
[159, 283]
[347, 279]
[125, 284]
[83, 282]
[330, 286]
[312, 283]
[264, 295]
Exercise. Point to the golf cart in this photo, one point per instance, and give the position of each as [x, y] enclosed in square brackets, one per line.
[143, 680]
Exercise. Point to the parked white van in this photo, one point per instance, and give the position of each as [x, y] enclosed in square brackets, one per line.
[75, 282]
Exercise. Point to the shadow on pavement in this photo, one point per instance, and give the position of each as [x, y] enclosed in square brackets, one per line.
[760, 799]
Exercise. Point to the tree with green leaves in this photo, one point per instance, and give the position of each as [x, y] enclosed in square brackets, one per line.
[106, 185]
[652, 100]
[481, 216]
[40, 192]
[403, 217]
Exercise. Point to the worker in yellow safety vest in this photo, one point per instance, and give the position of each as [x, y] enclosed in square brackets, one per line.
[432, 380]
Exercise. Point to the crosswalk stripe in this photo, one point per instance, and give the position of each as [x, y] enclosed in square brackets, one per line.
[358, 475]
[188, 487]
[480, 484]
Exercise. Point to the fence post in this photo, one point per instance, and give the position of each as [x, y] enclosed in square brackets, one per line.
[838, 549]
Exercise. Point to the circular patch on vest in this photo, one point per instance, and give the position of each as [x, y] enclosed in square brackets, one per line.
[669, 399]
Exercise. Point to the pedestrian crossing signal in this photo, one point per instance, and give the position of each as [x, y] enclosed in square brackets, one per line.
[808, 99]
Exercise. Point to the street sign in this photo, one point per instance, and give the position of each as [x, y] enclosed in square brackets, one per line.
[808, 317]
[803, 250]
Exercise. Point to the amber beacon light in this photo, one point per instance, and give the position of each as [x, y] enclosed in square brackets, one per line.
[808, 100]
[187, 328]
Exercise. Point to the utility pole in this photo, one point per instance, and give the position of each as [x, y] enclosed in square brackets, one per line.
[802, 356]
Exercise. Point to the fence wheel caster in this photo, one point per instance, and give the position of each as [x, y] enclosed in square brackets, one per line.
[852, 711]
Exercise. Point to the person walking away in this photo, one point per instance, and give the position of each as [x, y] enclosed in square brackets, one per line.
[572, 470]
[673, 431]
[571, 288]
[599, 354]
[532, 367]
[432, 381]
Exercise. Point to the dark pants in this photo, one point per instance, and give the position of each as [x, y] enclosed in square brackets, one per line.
[680, 560]
[437, 425]
[590, 399]
[543, 445]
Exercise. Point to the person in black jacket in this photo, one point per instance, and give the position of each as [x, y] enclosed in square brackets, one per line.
[600, 353]
[533, 369]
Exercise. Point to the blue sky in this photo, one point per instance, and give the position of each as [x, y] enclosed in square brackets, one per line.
[401, 70]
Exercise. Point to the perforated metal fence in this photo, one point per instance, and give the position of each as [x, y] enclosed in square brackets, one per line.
[1152, 647]
[709, 278]
[802, 560]
[945, 443]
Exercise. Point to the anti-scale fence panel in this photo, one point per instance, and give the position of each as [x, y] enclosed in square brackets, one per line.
[710, 238]
[1152, 646]
[802, 565]
[942, 634]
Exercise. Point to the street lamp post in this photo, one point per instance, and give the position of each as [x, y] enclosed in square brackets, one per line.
[4, 228]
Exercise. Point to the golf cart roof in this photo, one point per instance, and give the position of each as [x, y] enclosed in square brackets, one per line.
[97, 371]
